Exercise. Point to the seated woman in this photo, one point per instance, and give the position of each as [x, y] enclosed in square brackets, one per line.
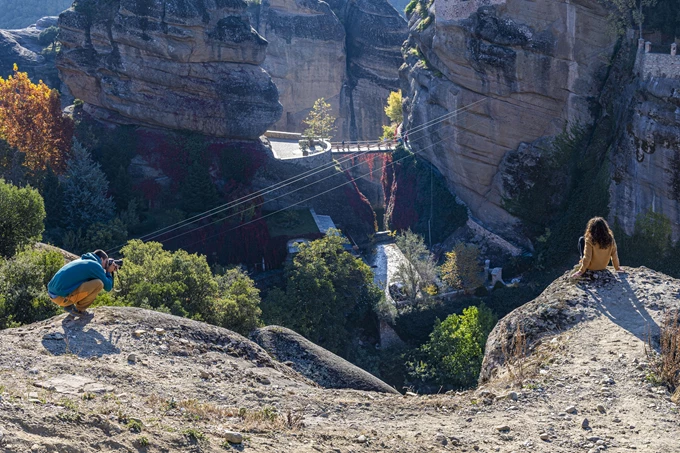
[597, 247]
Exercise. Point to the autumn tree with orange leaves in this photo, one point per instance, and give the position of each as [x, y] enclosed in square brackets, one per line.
[31, 121]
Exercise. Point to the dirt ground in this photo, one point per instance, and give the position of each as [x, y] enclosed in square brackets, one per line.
[100, 384]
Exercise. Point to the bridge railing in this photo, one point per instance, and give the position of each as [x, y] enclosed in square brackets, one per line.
[355, 146]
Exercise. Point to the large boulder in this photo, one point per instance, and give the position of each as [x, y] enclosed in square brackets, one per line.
[314, 362]
[173, 64]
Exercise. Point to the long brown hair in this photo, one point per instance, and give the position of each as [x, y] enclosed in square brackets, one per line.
[599, 233]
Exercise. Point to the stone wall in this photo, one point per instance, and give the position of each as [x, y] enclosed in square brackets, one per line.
[648, 64]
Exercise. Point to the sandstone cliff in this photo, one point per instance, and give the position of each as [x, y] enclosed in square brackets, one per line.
[527, 69]
[174, 64]
[646, 162]
[21, 47]
[347, 53]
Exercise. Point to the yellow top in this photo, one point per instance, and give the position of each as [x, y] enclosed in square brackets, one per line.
[597, 259]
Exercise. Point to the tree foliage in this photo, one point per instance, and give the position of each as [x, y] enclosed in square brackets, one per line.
[23, 287]
[238, 304]
[21, 220]
[86, 199]
[453, 356]
[393, 110]
[31, 120]
[462, 269]
[328, 293]
[182, 284]
[624, 14]
[419, 269]
[320, 123]
[48, 36]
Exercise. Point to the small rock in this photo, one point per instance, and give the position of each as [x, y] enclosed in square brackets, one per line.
[35, 447]
[132, 358]
[33, 395]
[54, 336]
[441, 439]
[592, 438]
[571, 410]
[585, 424]
[159, 331]
[33, 371]
[411, 394]
[544, 436]
[362, 439]
[205, 374]
[601, 409]
[138, 333]
[2, 435]
[232, 437]
[503, 428]
[512, 396]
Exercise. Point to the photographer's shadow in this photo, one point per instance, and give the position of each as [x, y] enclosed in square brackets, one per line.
[78, 340]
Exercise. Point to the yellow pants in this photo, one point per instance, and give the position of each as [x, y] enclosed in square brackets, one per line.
[83, 296]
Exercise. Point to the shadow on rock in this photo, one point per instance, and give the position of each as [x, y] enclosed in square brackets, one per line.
[626, 310]
[79, 340]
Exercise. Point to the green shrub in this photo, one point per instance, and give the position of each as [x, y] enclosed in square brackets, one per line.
[238, 305]
[453, 356]
[410, 7]
[21, 220]
[183, 284]
[167, 281]
[48, 36]
[327, 297]
[23, 287]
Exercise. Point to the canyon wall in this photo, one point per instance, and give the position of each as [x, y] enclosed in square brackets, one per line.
[174, 64]
[506, 72]
[346, 52]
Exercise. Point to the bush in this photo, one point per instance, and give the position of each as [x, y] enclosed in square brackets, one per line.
[23, 287]
[182, 284]
[174, 282]
[48, 36]
[21, 220]
[328, 295]
[453, 356]
[462, 269]
[238, 305]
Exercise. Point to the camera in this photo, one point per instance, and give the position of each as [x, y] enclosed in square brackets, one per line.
[118, 263]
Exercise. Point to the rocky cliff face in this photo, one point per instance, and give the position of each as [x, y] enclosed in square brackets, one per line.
[174, 64]
[646, 162]
[521, 70]
[21, 47]
[345, 52]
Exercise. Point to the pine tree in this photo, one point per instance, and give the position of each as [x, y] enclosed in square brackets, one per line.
[53, 194]
[86, 199]
[198, 191]
[320, 122]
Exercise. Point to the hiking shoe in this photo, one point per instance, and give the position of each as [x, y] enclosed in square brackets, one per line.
[71, 309]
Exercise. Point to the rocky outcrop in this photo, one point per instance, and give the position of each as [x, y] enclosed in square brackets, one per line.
[347, 53]
[316, 363]
[172, 64]
[635, 301]
[646, 162]
[21, 47]
[520, 71]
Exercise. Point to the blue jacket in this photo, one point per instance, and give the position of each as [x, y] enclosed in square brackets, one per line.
[71, 276]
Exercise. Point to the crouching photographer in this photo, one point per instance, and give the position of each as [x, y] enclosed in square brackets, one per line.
[76, 285]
